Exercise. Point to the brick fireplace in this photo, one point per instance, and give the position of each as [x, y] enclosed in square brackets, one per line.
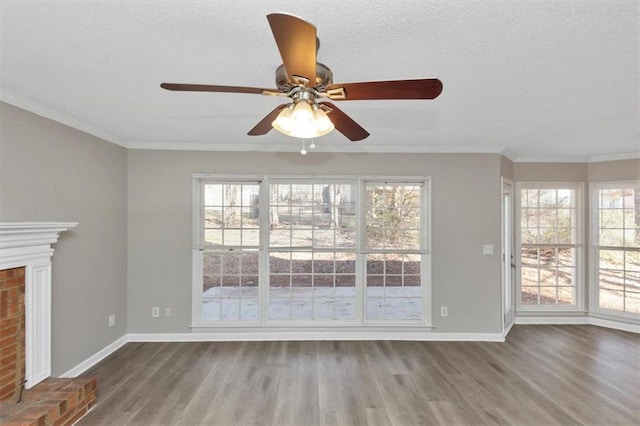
[27, 246]
[25, 332]
[12, 342]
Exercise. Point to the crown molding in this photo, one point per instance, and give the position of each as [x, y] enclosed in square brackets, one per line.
[53, 114]
[577, 158]
[615, 157]
[351, 148]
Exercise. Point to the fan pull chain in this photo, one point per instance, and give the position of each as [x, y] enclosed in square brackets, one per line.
[312, 145]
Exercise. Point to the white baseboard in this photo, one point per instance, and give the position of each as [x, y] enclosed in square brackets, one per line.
[289, 335]
[97, 357]
[617, 325]
[508, 329]
[314, 335]
[552, 320]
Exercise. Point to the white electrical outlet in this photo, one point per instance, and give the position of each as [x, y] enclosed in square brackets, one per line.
[112, 320]
[487, 249]
[444, 311]
[167, 312]
[155, 311]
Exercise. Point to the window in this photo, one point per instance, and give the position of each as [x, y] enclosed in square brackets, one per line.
[229, 251]
[312, 251]
[272, 250]
[394, 249]
[549, 236]
[616, 216]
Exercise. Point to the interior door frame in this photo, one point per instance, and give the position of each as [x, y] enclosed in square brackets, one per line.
[507, 259]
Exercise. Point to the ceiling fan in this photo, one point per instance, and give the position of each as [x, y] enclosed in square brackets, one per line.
[309, 84]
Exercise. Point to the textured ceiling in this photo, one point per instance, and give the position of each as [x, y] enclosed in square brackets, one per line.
[538, 80]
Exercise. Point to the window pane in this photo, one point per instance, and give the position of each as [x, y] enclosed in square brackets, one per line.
[322, 286]
[612, 259]
[548, 296]
[632, 302]
[611, 218]
[611, 299]
[632, 261]
[611, 237]
[566, 295]
[229, 281]
[566, 256]
[632, 281]
[529, 295]
[318, 215]
[387, 277]
[213, 236]
[392, 210]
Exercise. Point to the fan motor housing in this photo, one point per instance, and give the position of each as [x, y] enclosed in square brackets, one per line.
[324, 77]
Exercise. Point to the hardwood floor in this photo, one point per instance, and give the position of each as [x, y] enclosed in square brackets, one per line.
[541, 375]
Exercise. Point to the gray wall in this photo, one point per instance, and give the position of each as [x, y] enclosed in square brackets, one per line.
[51, 172]
[550, 172]
[465, 215]
[506, 167]
[614, 171]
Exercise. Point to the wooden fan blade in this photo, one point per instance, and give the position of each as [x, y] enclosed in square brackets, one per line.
[296, 40]
[212, 88]
[428, 88]
[344, 124]
[264, 126]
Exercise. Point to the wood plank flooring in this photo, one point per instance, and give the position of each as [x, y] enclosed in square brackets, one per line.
[542, 375]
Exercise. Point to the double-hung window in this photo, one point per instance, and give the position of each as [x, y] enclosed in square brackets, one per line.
[615, 235]
[275, 250]
[396, 247]
[227, 247]
[549, 235]
[312, 250]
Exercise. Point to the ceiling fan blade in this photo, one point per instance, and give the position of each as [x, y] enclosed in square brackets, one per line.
[212, 88]
[344, 124]
[296, 40]
[263, 127]
[428, 88]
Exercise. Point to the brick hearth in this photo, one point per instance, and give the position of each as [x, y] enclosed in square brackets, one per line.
[52, 402]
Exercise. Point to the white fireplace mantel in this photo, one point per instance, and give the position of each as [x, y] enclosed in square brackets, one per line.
[28, 244]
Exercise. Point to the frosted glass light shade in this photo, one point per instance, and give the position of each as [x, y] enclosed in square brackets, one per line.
[300, 120]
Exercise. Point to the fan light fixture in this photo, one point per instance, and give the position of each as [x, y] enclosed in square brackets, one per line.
[306, 82]
[303, 120]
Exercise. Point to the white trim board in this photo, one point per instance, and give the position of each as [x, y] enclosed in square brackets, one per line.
[97, 357]
[235, 336]
[576, 320]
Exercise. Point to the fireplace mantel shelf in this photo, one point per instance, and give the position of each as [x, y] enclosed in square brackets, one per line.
[22, 234]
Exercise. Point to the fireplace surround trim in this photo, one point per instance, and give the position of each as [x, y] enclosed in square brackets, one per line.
[28, 244]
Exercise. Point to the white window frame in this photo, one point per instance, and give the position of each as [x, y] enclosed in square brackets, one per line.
[198, 180]
[198, 248]
[594, 249]
[424, 251]
[579, 306]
